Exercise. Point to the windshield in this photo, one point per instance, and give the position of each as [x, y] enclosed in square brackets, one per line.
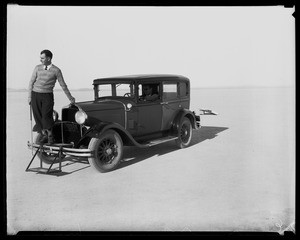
[115, 90]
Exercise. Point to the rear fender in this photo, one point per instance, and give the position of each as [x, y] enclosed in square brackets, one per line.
[179, 117]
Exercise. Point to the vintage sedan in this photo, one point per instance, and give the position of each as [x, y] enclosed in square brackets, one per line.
[121, 115]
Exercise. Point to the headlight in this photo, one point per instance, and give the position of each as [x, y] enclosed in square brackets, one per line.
[80, 117]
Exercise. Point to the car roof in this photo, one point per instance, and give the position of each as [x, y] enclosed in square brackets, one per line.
[142, 77]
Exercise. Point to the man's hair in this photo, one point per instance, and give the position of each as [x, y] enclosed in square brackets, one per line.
[48, 53]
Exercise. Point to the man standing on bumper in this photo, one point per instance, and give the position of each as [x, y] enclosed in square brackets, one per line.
[41, 94]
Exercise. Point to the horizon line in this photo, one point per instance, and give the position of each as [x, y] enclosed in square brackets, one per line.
[10, 89]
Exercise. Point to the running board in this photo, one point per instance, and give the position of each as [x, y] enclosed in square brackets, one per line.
[160, 140]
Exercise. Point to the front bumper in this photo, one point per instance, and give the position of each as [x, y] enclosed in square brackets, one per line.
[63, 148]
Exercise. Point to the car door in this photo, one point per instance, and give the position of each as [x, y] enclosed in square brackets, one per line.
[149, 116]
[171, 103]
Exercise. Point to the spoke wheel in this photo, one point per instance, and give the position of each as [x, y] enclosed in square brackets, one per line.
[184, 133]
[107, 151]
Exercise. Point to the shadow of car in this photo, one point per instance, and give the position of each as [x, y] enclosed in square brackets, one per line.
[134, 155]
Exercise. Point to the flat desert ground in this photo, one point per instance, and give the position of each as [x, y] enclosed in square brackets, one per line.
[238, 174]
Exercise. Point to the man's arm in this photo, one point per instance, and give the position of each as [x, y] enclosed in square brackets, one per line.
[31, 82]
[153, 97]
[64, 86]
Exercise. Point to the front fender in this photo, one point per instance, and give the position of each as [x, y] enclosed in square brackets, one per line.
[97, 130]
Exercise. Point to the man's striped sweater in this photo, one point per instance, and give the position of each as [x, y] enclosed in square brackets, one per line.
[43, 81]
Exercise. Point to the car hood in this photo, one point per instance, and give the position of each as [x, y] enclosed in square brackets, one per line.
[100, 105]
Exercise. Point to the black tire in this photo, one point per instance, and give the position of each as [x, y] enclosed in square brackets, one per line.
[185, 132]
[45, 157]
[107, 151]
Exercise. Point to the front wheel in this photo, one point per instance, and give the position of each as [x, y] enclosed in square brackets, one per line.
[107, 151]
[184, 133]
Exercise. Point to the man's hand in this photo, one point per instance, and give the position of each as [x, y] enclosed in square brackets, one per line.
[29, 101]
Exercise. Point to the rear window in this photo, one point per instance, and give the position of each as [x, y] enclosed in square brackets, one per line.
[183, 89]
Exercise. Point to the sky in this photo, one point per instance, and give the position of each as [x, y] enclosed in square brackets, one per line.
[212, 46]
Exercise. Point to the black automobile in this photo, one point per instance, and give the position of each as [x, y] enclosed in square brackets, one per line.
[121, 115]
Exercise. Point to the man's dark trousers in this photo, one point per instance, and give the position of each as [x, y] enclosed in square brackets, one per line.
[42, 108]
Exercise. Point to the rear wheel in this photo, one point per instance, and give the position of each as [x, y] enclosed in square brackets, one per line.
[184, 133]
[108, 151]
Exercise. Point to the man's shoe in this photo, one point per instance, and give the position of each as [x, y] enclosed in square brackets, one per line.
[43, 140]
[50, 140]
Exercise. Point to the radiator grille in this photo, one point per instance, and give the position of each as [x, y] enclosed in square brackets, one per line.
[68, 114]
[66, 132]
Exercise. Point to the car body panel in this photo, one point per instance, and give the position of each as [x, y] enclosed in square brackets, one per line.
[103, 111]
[149, 118]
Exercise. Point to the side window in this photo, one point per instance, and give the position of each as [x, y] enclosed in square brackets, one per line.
[105, 90]
[183, 90]
[125, 90]
[169, 91]
[115, 90]
[148, 92]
